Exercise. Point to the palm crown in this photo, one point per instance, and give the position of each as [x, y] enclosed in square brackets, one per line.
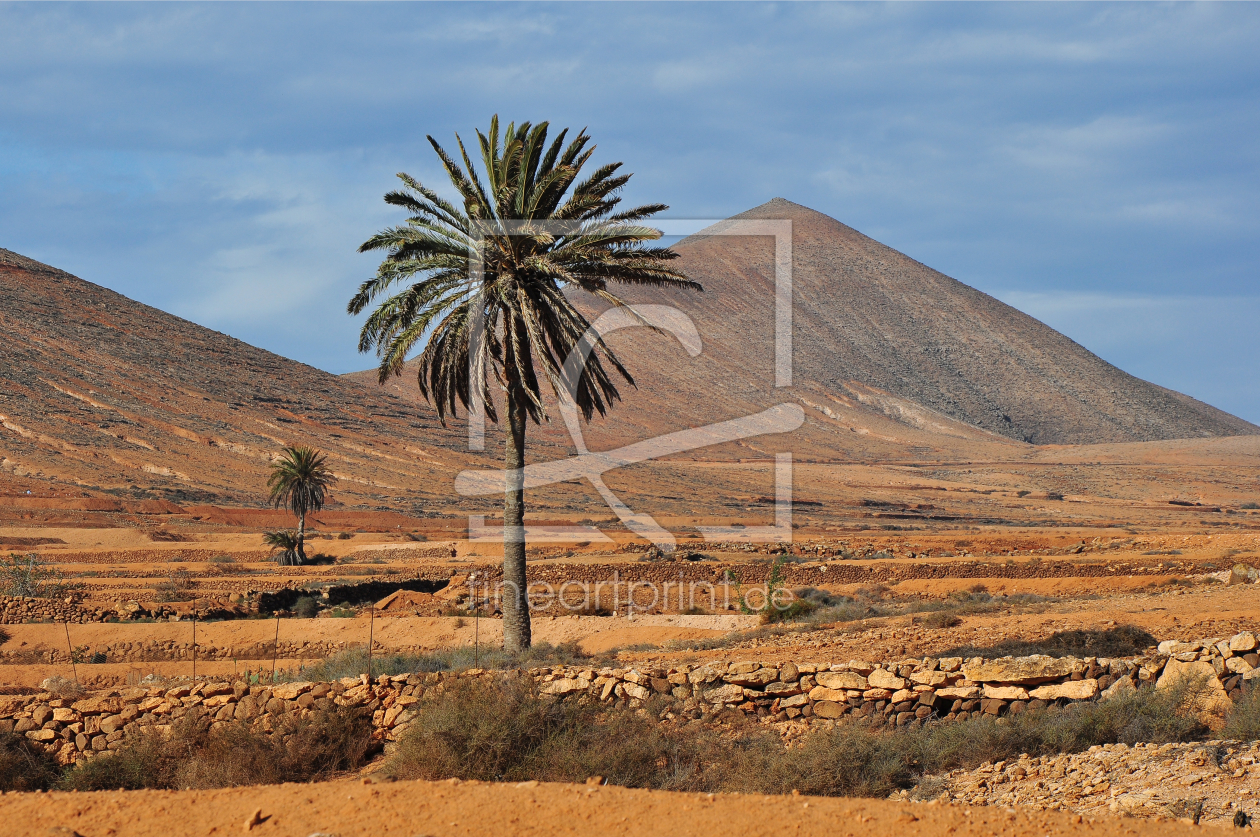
[502, 264]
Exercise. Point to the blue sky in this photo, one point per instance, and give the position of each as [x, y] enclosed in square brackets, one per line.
[1095, 165]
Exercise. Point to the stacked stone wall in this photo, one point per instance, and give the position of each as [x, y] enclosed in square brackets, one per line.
[805, 693]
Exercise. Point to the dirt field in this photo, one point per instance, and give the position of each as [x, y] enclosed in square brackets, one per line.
[350, 808]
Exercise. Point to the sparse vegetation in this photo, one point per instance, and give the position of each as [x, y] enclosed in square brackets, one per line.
[31, 575]
[500, 732]
[1120, 641]
[177, 588]
[305, 608]
[24, 766]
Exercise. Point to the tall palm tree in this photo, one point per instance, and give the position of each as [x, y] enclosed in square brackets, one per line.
[299, 480]
[483, 289]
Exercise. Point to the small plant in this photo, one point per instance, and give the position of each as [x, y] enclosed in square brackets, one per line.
[1250, 506]
[940, 619]
[223, 559]
[178, 588]
[284, 547]
[305, 608]
[344, 536]
[24, 765]
[32, 576]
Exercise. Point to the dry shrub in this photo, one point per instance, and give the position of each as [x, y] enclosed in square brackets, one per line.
[24, 766]
[1120, 641]
[503, 732]
[1243, 721]
[194, 755]
[939, 619]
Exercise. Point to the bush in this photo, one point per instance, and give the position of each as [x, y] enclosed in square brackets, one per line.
[940, 619]
[5, 636]
[32, 576]
[1250, 506]
[306, 607]
[24, 766]
[320, 746]
[1243, 721]
[503, 732]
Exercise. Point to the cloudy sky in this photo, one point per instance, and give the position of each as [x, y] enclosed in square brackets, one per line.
[1097, 166]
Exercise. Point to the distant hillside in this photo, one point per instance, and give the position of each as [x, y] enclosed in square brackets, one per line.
[891, 358]
[106, 394]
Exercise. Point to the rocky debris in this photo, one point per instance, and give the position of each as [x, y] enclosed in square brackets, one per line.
[16, 610]
[1214, 779]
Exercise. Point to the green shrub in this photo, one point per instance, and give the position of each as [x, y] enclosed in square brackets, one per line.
[1250, 506]
[306, 607]
[24, 766]
[940, 619]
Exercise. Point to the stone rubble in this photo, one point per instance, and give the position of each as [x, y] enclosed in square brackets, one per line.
[1145, 780]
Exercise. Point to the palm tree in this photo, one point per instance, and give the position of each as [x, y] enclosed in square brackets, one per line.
[284, 547]
[299, 480]
[499, 267]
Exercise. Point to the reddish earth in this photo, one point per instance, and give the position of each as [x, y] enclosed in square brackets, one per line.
[445, 809]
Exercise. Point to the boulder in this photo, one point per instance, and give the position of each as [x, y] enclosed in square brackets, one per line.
[1021, 670]
[959, 692]
[99, 706]
[1122, 687]
[842, 680]
[730, 693]
[828, 709]
[783, 689]
[928, 678]
[1243, 642]
[290, 691]
[752, 679]
[823, 693]
[1072, 690]
[1005, 692]
[882, 679]
[1215, 701]
[566, 686]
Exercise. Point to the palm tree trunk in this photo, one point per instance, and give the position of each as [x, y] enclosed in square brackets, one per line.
[301, 550]
[516, 628]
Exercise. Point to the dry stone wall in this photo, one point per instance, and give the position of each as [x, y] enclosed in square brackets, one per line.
[809, 693]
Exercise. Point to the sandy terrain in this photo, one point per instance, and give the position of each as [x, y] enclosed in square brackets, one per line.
[350, 808]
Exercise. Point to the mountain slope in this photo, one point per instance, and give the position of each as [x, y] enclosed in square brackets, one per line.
[107, 394]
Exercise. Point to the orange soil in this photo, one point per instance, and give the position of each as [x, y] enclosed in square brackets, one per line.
[405, 809]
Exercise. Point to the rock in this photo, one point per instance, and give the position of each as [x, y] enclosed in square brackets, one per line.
[111, 723]
[1123, 686]
[752, 679]
[1005, 692]
[730, 693]
[290, 691]
[638, 692]
[882, 679]
[950, 664]
[1243, 642]
[783, 689]
[876, 694]
[959, 692]
[789, 673]
[928, 678]
[794, 701]
[566, 686]
[1166, 647]
[1215, 702]
[842, 680]
[1021, 670]
[828, 709]
[1072, 689]
[823, 693]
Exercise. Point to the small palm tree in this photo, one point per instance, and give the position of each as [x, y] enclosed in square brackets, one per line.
[299, 480]
[284, 547]
[501, 266]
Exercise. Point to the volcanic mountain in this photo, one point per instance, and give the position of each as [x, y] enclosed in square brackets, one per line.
[876, 333]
